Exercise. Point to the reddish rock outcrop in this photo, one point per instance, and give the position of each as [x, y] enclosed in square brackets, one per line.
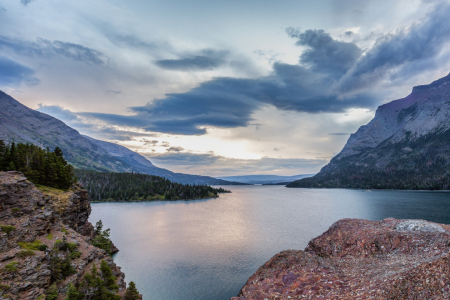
[46, 216]
[360, 259]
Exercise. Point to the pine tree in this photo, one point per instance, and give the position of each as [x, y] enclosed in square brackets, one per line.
[52, 293]
[131, 293]
[73, 294]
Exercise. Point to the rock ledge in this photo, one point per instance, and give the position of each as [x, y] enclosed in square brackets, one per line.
[360, 259]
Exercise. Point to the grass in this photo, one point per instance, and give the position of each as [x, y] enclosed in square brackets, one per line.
[25, 253]
[4, 287]
[30, 245]
[50, 236]
[15, 210]
[60, 197]
[64, 230]
[7, 228]
[11, 267]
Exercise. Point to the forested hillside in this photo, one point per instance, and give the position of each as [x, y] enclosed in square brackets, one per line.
[140, 187]
[38, 165]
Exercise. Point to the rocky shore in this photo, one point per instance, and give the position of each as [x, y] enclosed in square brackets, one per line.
[360, 259]
[40, 218]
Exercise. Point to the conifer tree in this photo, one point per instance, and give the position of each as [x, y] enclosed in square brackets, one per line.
[131, 293]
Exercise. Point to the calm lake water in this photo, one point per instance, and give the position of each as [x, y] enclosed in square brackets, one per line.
[207, 249]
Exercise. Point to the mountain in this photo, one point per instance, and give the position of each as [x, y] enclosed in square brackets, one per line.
[264, 179]
[21, 124]
[405, 146]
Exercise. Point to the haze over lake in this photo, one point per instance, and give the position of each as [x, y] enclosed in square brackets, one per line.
[207, 249]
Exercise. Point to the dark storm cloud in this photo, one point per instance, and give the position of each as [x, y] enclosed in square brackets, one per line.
[332, 76]
[325, 54]
[406, 48]
[48, 49]
[13, 73]
[208, 59]
[230, 102]
[116, 119]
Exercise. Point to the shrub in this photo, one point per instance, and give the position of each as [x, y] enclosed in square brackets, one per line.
[50, 236]
[15, 210]
[11, 267]
[64, 230]
[7, 228]
[30, 245]
[75, 255]
[4, 287]
[42, 247]
[25, 253]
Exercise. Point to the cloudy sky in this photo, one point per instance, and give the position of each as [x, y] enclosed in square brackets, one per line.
[221, 87]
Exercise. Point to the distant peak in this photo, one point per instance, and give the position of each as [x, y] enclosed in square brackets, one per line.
[434, 85]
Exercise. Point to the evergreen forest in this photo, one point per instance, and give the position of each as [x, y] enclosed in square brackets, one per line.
[140, 187]
[43, 167]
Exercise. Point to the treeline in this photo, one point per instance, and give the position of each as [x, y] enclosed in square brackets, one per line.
[414, 164]
[140, 187]
[40, 166]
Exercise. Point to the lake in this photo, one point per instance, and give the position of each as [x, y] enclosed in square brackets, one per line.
[207, 249]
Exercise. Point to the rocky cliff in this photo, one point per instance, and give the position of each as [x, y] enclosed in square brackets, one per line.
[360, 259]
[405, 146]
[33, 221]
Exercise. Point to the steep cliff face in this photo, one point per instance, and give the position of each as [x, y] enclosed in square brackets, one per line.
[29, 219]
[405, 146]
[360, 259]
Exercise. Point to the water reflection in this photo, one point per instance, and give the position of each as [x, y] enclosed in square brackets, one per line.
[207, 249]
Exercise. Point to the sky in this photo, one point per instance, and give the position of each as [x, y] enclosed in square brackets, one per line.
[221, 88]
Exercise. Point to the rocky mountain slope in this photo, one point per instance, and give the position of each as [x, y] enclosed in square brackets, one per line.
[21, 124]
[34, 222]
[405, 146]
[360, 259]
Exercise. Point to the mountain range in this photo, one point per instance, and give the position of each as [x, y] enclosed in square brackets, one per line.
[405, 146]
[21, 124]
[264, 179]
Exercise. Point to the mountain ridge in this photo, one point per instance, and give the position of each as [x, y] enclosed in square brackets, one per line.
[405, 146]
[20, 123]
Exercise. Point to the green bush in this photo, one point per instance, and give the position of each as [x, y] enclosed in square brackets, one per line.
[30, 245]
[15, 210]
[25, 253]
[64, 230]
[75, 255]
[42, 247]
[11, 267]
[7, 228]
[50, 236]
